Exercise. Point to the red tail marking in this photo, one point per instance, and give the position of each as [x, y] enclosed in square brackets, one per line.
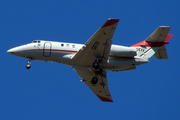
[169, 36]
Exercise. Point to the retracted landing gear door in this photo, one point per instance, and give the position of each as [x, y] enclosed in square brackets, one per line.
[47, 49]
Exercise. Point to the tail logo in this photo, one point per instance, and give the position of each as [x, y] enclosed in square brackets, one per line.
[144, 53]
[140, 49]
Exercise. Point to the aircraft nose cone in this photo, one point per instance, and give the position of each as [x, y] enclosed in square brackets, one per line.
[10, 51]
[17, 51]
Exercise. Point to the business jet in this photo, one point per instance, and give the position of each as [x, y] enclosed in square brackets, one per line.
[92, 60]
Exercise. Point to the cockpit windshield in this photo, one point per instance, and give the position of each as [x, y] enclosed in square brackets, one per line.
[36, 41]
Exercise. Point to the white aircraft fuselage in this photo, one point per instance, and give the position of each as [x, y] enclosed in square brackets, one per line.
[120, 57]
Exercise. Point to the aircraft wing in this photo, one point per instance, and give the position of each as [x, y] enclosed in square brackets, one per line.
[98, 46]
[101, 88]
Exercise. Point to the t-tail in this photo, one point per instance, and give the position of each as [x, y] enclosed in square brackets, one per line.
[154, 44]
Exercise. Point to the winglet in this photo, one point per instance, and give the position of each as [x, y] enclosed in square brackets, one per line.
[105, 99]
[110, 22]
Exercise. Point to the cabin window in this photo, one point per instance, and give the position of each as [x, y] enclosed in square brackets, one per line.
[67, 45]
[39, 41]
[62, 45]
[73, 46]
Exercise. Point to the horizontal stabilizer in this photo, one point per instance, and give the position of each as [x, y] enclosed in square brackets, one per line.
[159, 35]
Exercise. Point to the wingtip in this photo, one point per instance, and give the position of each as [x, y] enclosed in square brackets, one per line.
[105, 99]
[110, 21]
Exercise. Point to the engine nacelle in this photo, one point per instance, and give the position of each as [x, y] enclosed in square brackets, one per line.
[122, 51]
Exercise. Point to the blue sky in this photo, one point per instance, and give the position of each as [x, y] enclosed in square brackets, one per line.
[53, 91]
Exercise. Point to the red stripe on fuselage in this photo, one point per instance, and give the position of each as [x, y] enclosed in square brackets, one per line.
[52, 50]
